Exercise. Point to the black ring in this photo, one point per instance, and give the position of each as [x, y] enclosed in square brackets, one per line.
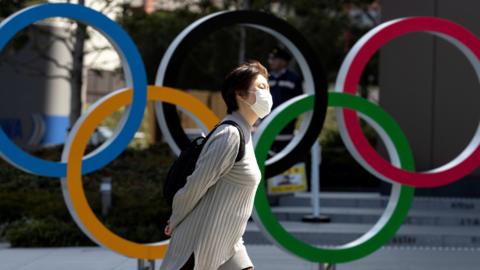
[218, 20]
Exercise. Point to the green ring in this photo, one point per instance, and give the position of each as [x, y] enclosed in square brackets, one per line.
[397, 208]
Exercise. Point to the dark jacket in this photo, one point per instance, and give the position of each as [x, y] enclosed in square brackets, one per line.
[283, 88]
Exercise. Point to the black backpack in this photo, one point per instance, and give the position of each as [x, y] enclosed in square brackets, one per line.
[184, 165]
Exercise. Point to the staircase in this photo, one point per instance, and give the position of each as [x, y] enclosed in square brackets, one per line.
[431, 222]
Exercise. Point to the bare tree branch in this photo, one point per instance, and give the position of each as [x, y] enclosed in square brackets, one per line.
[68, 43]
[94, 61]
[43, 52]
[97, 50]
[101, 63]
[57, 63]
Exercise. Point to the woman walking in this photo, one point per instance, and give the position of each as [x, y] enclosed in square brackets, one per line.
[210, 213]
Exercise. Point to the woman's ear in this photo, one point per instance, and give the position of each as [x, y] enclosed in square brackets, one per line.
[238, 96]
[240, 100]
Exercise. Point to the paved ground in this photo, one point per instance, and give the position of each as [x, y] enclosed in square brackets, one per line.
[265, 257]
[269, 257]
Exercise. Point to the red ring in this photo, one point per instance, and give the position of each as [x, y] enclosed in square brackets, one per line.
[350, 118]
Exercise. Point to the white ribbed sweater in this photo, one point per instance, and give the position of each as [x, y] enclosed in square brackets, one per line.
[210, 213]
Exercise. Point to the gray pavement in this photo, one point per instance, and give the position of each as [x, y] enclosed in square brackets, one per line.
[265, 257]
[426, 240]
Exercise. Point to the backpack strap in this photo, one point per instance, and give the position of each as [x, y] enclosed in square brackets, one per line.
[241, 151]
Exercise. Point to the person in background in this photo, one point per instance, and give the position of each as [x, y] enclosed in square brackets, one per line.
[284, 85]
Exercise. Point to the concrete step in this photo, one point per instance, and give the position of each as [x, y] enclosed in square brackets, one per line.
[438, 217]
[375, 200]
[341, 233]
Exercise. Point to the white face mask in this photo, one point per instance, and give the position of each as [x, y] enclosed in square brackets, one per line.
[263, 103]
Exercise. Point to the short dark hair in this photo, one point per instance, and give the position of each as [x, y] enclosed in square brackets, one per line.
[239, 81]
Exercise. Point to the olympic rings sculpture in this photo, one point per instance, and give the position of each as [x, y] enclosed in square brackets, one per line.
[400, 171]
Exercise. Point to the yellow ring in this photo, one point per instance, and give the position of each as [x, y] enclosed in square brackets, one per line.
[74, 178]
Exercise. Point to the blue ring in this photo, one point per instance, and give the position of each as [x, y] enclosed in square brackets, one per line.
[128, 52]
